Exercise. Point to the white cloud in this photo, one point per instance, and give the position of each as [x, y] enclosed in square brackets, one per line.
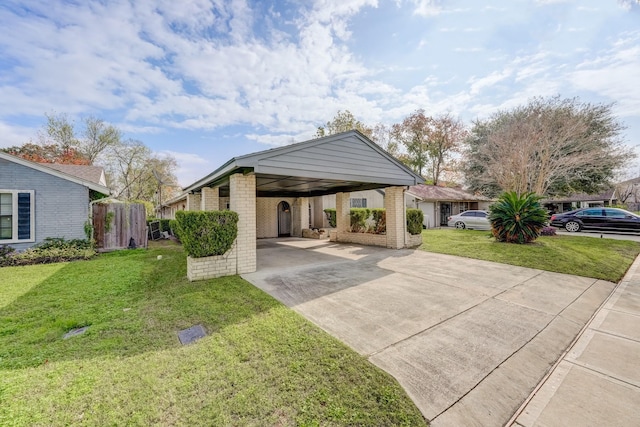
[15, 135]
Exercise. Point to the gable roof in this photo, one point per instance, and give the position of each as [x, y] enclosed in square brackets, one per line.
[434, 192]
[90, 173]
[583, 197]
[45, 168]
[347, 161]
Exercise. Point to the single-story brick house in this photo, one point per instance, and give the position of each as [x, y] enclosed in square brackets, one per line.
[279, 192]
[40, 200]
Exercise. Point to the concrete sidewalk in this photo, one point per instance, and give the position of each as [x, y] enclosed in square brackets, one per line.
[597, 382]
[469, 340]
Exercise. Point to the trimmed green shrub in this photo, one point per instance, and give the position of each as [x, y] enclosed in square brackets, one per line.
[415, 217]
[379, 217]
[52, 249]
[331, 216]
[207, 233]
[358, 218]
[175, 228]
[517, 218]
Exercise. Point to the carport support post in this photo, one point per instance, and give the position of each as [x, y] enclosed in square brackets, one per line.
[300, 216]
[242, 200]
[396, 217]
[343, 223]
[210, 199]
[193, 202]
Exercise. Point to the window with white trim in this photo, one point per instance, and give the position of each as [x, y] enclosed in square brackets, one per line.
[16, 216]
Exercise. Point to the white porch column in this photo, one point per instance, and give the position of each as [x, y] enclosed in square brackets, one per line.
[343, 223]
[396, 217]
[243, 202]
[210, 200]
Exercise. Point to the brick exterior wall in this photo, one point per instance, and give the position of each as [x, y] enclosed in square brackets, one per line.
[213, 266]
[267, 215]
[61, 207]
[210, 199]
[243, 202]
[396, 217]
[194, 202]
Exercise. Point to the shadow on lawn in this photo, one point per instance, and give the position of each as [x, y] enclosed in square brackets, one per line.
[132, 303]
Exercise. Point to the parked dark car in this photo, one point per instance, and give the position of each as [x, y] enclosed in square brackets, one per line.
[597, 218]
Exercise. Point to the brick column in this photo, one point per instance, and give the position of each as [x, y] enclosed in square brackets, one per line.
[299, 216]
[243, 201]
[396, 217]
[193, 202]
[210, 200]
[343, 223]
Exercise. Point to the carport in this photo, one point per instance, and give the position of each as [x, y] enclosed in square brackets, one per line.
[257, 185]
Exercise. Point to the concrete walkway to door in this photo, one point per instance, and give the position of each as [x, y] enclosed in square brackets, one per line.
[469, 340]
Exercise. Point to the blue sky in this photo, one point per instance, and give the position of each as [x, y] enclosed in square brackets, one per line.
[207, 80]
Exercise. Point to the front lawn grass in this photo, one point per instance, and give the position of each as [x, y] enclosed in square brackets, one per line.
[605, 259]
[261, 363]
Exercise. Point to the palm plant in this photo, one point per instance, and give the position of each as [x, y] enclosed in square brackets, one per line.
[517, 218]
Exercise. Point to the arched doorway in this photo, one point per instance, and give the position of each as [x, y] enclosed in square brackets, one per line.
[284, 219]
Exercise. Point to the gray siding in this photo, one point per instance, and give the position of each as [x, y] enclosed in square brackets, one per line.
[61, 207]
[348, 158]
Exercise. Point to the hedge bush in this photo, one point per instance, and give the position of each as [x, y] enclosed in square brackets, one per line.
[415, 217]
[175, 228]
[358, 218]
[379, 217]
[331, 216]
[50, 250]
[207, 233]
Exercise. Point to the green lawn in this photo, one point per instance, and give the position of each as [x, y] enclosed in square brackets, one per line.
[606, 259]
[261, 364]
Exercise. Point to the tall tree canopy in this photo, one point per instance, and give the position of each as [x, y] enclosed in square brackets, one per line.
[429, 142]
[133, 171]
[550, 146]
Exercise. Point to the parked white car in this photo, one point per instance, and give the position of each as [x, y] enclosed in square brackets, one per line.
[476, 220]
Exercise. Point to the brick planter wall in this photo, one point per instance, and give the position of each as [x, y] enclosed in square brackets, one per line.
[413, 241]
[366, 239]
[213, 266]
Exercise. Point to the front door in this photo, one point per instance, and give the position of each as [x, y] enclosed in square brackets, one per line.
[284, 219]
[445, 212]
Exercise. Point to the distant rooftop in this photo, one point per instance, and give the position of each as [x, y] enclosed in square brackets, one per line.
[434, 192]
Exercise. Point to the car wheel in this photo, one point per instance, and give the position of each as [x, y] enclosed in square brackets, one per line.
[460, 225]
[572, 226]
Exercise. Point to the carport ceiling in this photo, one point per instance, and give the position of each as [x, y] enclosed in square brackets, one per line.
[268, 185]
[345, 162]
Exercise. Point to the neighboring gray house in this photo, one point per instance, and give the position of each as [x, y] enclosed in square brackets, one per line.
[438, 203]
[576, 201]
[45, 200]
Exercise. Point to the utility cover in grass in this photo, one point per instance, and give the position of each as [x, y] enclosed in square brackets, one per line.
[74, 332]
[187, 336]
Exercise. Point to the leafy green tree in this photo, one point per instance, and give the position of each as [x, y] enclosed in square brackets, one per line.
[551, 146]
[517, 218]
[343, 121]
[429, 142]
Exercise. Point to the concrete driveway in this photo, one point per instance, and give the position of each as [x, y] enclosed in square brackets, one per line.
[469, 340]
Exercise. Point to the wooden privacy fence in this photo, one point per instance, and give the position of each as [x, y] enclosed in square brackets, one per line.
[115, 224]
